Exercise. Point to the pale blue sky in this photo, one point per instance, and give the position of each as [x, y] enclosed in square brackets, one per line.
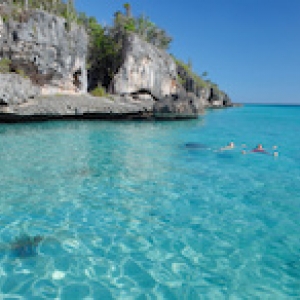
[251, 48]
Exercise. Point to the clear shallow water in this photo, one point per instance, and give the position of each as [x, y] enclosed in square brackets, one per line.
[126, 211]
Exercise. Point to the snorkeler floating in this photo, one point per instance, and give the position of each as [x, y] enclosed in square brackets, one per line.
[195, 146]
[230, 146]
[259, 149]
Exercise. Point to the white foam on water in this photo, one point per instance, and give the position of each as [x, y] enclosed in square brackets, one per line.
[58, 275]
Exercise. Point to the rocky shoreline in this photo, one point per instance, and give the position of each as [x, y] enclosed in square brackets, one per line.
[43, 76]
[86, 106]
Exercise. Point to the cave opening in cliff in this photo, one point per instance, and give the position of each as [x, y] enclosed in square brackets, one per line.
[144, 92]
[103, 69]
[100, 76]
[96, 79]
[77, 79]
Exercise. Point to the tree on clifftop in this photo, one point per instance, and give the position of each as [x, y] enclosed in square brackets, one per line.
[106, 43]
[104, 56]
[127, 7]
[142, 26]
[151, 33]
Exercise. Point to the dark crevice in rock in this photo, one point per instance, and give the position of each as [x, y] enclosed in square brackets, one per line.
[142, 92]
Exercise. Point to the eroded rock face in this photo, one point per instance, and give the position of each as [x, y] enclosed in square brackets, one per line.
[178, 107]
[209, 95]
[15, 89]
[50, 53]
[1, 27]
[149, 70]
[211, 98]
[145, 68]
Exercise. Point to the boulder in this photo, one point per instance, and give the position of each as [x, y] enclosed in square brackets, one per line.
[178, 107]
[205, 95]
[15, 89]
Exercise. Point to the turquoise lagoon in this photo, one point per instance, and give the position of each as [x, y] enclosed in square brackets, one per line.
[126, 211]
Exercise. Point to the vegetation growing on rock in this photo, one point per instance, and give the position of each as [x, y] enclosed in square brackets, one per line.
[106, 43]
[99, 91]
[193, 82]
[5, 65]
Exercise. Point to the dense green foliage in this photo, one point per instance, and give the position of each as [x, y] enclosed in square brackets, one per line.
[104, 55]
[106, 43]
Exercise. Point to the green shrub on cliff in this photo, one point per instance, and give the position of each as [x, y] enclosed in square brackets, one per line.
[5, 65]
[99, 91]
[140, 25]
[185, 73]
[152, 33]
[104, 55]
[21, 72]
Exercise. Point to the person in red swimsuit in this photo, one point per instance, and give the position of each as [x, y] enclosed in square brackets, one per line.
[259, 148]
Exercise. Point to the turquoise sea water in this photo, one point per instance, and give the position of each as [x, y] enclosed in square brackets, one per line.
[126, 211]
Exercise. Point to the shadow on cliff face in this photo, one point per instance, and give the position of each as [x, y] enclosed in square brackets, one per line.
[102, 72]
[77, 78]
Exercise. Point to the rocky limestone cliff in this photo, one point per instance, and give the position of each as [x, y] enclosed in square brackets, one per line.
[210, 96]
[15, 89]
[148, 70]
[145, 68]
[43, 56]
[44, 48]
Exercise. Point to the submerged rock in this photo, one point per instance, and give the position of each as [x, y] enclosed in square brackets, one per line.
[25, 246]
[195, 146]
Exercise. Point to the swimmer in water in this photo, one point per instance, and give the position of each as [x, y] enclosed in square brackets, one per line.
[228, 147]
[259, 149]
[275, 153]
